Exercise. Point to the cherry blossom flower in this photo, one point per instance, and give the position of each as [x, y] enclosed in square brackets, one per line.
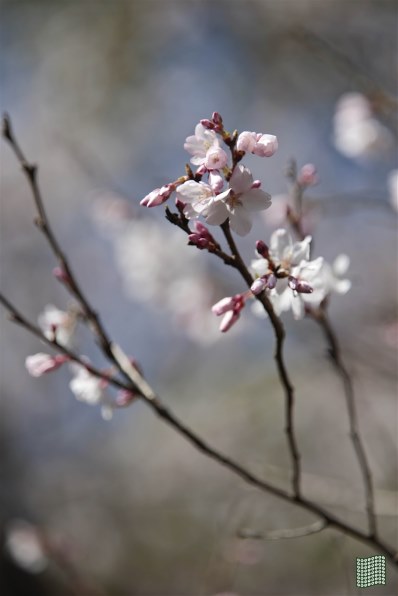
[330, 280]
[283, 253]
[199, 199]
[287, 295]
[86, 387]
[205, 148]
[266, 146]
[40, 363]
[241, 198]
[263, 145]
[58, 324]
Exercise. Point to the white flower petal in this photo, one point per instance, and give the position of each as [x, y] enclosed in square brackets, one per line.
[240, 221]
[256, 200]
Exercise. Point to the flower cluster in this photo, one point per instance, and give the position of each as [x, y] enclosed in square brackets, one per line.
[291, 279]
[219, 190]
[223, 191]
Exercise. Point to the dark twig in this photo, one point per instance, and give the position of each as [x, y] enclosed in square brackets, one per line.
[279, 358]
[320, 316]
[31, 172]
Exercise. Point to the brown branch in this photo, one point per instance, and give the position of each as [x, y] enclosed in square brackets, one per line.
[137, 382]
[149, 397]
[31, 172]
[279, 358]
[320, 316]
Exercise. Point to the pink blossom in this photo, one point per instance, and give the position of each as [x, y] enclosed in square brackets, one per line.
[216, 159]
[307, 175]
[157, 196]
[199, 144]
[40, 363]
[241, 198]
[246, 141]
[57, 324]
[266, 146]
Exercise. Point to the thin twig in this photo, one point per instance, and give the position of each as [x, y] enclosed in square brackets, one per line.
[31, 172]
[320, 316]
[279, 358]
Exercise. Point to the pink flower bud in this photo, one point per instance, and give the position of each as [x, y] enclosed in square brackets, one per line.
[40, 364]
[271, 282]
[258, 285]
[246, 141]
[153, 199]
[223, 305]
[229, 319]
[266, 146]
[262, 249]
[125, 397]
[201, 229]
[256, 184]
[307, 175]
[216, 117]
[60, 274]
[207, 123]
[303, 287]
[216, 159]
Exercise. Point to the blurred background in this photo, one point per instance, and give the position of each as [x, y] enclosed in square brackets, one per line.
[102, 96]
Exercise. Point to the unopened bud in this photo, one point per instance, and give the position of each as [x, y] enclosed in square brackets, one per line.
[60, 274]
[256, 184]
[271, 282]
[229, 320]
[262, 249]
[303, 287]
[258, 285]
[307, 175]
[207, 123]
[216, 117]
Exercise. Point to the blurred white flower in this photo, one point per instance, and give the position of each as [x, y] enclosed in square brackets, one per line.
[24, 545]
[154, 262]
[58, 324]
[330, 280]
[86, 387]
[357, 133]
